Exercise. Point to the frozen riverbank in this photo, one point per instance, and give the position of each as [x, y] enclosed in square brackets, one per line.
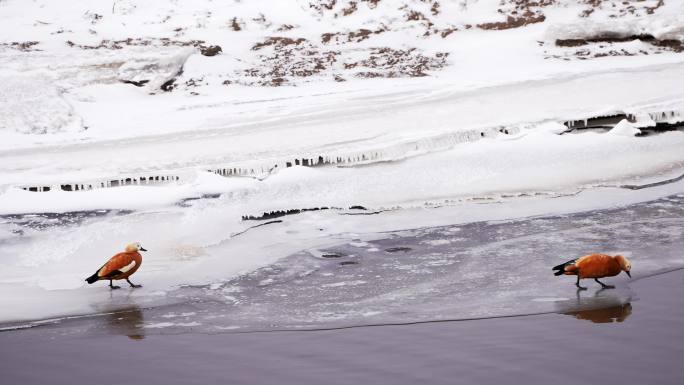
[325, 268]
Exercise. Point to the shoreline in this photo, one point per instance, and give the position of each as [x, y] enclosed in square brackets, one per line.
[633, 342]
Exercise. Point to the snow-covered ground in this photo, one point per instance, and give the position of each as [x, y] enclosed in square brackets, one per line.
[170, 122]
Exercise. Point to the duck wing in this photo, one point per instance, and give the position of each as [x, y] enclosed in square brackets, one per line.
[118, 264]
[563, 267]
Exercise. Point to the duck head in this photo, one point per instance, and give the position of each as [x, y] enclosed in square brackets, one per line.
[625, 264]
[134, 247]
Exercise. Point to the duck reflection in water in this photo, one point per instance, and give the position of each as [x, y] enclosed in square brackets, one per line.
[598, 309]
[616, 313]
[128, 322]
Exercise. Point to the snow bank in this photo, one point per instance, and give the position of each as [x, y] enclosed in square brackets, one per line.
[33, 105]
[154, 72]
[661, 27]
[540, 161]
[624, 128]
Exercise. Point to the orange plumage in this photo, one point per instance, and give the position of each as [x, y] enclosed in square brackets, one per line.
[119, 262]
[595, 266]
[120, 266]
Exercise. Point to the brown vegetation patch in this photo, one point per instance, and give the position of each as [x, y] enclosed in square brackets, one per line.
[514, 22]
[518, 13]
[277, 42]
[350, 9]
[288, 58]
[211, 50]
[621, 8]
[435, 9]
[392, 63]
[236, 25]
[206, 50]
[340, 8]
[446, 32]
[119, 44]
[350, 37]
[322, 5]
[281, 64]
[24, 46]
[285, 27]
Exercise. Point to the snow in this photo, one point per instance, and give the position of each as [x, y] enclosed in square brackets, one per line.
[154, 72]
[33, 105]
[431, 118]
[624, 128]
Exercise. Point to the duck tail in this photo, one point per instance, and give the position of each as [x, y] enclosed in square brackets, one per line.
[93, 278]
[560, 269]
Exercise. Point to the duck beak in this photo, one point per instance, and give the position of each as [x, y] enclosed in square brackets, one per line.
[629, 275]
[144, 249]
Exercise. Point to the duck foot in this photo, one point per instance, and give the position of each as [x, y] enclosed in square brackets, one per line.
[111, 286]
[603, 285]
[578, 285]
[132, 284]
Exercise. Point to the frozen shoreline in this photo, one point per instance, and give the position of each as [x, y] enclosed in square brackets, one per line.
[266, 259]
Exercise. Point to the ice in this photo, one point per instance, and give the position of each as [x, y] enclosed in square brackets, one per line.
[154, 72]
[77, 250]
[624, 128]
[429, 281]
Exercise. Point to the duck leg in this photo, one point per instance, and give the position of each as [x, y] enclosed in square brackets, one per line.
[112, 286]
[603, 285]
[578, 285]
[132, 284]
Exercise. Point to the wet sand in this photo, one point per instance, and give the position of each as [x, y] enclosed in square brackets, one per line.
[620, 343]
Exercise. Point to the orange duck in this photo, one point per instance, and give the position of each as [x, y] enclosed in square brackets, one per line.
[120, 266]
[595, 266]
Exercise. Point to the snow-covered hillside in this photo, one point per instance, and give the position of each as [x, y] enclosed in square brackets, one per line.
[350, 106]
